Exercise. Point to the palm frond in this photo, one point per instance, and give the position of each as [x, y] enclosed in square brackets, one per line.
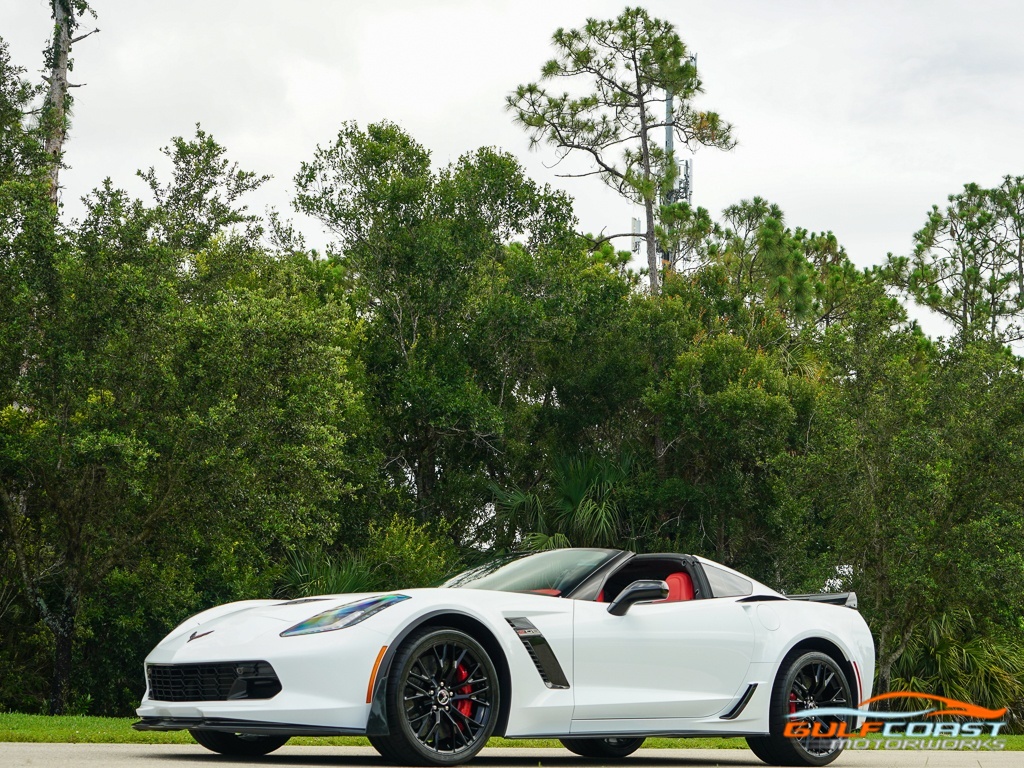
[315, 572]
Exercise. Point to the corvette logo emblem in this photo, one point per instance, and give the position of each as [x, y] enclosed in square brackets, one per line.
[197, 635]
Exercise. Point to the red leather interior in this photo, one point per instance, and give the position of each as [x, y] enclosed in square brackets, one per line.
[680, 587]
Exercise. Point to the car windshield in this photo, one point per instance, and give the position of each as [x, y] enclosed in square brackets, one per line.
[556, 572]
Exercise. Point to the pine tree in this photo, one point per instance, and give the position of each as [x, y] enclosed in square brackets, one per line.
[629, 66]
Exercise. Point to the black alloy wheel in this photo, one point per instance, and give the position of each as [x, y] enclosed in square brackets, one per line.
[238, 744]
[807, 680]
[603, 749]
[443, 697]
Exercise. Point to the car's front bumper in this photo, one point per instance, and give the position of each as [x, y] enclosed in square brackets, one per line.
[324, 682]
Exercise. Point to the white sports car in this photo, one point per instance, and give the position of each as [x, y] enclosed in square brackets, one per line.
[599, 648]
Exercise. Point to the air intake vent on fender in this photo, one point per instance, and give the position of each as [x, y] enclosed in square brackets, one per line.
[543, 657]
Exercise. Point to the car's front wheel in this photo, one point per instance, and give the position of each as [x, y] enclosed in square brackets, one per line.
[603, 749]
[238, 744]
[443, 697]
[807, 680]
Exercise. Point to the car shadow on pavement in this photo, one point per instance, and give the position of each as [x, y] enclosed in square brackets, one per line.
[727, 757]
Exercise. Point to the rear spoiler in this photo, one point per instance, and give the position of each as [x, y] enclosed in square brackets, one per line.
[849, 599]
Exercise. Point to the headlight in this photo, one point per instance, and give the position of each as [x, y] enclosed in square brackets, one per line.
[344, 615]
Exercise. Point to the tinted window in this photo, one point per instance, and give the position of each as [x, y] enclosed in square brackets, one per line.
[555, 572]
[725, 584]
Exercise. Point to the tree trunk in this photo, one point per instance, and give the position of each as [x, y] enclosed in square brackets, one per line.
[64, 638]
[652, 249]
[60, 685]
[645, 154]
[56, 104]
[425, 477]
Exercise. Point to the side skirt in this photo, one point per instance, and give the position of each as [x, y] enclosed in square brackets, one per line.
[641, 734]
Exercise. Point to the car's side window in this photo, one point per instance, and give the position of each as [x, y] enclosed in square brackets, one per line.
[725, 584]
[671, 570]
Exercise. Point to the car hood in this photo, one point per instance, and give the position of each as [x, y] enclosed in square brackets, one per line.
[235, 624]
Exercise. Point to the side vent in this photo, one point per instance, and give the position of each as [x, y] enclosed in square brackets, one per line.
[543, 657]
[735, 712]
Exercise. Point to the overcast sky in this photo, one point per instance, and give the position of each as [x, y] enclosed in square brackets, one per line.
[855, 117]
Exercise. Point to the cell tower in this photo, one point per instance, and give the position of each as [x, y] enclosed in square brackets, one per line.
[683, 188]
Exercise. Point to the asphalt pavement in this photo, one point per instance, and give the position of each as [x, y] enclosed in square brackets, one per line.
[190, 756]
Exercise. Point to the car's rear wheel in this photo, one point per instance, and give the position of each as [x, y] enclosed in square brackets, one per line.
[443, 697]
[807, 680]
[238, 744]
[603, 749]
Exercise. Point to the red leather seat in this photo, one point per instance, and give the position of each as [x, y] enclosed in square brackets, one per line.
[680, 587]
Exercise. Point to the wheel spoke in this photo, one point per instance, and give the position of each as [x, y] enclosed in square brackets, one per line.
[453, 670]
[457, 729]
[425, 677]
[432, 731]
[419, 719]
[469, 719]
[416, 687]
[441, 659]
[471, 694]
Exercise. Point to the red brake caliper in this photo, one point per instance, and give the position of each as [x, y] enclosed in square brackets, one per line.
[792, 703]
[464, 706]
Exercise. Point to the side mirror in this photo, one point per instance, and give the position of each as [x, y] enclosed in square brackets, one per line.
[640, 591]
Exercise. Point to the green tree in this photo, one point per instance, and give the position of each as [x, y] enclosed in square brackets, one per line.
[628, 68]
[952, 655]
[580, 508]
[729, 411]
[162, 389]
[456, 274]
[27, 234]
[806, 276]
[968, 263]
[910, 467]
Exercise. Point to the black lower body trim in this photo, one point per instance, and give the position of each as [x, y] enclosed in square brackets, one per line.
[251, 727]
[637, 734]
[733, 713]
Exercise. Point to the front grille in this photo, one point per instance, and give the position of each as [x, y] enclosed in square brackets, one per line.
[212, 682]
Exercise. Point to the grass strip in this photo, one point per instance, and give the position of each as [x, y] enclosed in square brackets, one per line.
[75, 729]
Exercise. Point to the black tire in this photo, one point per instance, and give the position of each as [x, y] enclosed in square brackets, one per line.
[806, 680]
[443, 697]
[237, 744]
[603, 749]
[383, 746]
